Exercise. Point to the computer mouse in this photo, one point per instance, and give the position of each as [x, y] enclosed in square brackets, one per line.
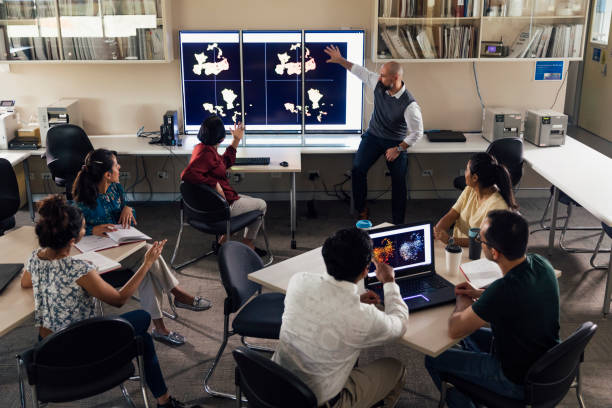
[284, 164]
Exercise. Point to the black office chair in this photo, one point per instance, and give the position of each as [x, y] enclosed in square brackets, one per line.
[9, 196]
[67, 146]
[268, 385]
[509, 152]
[207, 211]
[260, 317]
[82, 360]
[547, 381]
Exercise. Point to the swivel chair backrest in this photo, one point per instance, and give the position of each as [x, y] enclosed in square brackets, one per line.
[509, 152]
[9, 190]
[67, 146]
[236, 261]
[267, 384]
[551, 376]
[203, 203]
[77, 359]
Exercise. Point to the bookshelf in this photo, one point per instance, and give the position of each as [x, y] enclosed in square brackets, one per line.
[85, 31]
[463, 30]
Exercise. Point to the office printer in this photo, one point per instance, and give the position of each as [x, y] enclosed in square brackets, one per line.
[57, 113]
[8, 128]
[500, 123]
[545, 127]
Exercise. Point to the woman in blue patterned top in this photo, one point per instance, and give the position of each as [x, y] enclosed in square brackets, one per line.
[100, 197]
[64, 287]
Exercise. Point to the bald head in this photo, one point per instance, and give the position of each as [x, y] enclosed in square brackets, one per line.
[393, 68]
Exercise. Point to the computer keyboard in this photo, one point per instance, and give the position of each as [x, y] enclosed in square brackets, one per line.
[252, 161]
[413, 286]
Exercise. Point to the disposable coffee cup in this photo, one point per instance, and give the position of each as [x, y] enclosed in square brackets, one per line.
[453, 257]
[475, 248]
[364, 224]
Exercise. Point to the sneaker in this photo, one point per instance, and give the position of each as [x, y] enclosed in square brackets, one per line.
[172, 338]
[199, 304]
[174, 403]
[261, 252]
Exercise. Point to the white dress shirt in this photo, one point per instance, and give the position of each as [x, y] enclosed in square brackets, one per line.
[412, 114]
[325, 326]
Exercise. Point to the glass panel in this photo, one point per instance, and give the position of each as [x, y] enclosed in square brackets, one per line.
[28, 30]
[600, 29]
[111, 30]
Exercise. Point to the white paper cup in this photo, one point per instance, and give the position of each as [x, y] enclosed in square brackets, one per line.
[453, 260]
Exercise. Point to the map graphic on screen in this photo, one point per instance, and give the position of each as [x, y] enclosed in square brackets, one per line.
[210, 67]
[272, 75]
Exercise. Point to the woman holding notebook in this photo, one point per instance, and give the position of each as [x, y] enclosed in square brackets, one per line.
[488, 187]
[98, 194]
[64, 287]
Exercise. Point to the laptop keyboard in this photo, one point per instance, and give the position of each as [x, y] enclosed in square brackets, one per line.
[414, 286]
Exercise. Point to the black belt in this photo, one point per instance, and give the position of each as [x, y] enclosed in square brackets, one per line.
[331, 402]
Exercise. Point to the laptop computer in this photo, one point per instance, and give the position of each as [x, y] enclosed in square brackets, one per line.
[8, 273]
[445, 136]
[409, 249]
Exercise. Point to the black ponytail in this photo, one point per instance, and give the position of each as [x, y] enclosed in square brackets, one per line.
[59, 222]
[85, 187]
[490, 173]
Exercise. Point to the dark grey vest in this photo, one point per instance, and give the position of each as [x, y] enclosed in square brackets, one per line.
[387, 120]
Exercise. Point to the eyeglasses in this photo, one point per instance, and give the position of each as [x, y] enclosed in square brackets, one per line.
[479, 239]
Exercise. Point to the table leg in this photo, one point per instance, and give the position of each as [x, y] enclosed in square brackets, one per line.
[292, 199]
[608, 294]
[26, 171]
[553, 221]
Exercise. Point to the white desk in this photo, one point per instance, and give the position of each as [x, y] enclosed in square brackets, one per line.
[16, 303]
[583, 174]
[18, 156]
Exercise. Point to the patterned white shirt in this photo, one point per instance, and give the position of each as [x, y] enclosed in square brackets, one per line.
[325, 326]
[58, 299]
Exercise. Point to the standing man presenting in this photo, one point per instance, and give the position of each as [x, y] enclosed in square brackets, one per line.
[395, 125]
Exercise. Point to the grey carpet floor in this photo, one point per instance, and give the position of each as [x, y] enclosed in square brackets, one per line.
[582, 291]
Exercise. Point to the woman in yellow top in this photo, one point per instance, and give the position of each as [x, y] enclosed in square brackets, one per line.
[488, 187]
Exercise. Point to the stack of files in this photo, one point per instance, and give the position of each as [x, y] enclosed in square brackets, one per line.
[439, 41]
[102, 263]
[546, 41]
[113, 239]
[481, 273]
[431, 8]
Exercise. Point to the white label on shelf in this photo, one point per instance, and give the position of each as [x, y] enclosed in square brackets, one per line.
[81, 26]
[48, 26]
[18, 31]
[125, 26]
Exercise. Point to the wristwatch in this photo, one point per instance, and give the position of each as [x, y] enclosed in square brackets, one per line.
[401, 149]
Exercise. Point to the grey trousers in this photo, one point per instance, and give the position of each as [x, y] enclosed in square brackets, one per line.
[245, 204]
[158, 280]
[382, 379]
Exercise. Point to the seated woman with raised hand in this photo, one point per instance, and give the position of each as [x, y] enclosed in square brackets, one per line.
[100, 197]
[488, 187]
[207, 166]
[64, 287]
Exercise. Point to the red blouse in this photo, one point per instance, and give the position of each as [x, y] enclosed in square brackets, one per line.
[209, 167]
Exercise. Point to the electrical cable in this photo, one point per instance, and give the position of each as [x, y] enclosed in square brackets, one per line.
[477, 85]
[560, 86]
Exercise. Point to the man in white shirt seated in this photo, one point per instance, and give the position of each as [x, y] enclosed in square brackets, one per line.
[327, 322]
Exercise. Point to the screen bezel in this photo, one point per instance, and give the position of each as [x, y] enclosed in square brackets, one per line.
[417, 270]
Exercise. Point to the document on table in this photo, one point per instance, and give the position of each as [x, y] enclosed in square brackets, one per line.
[481, 273]
[102, 263]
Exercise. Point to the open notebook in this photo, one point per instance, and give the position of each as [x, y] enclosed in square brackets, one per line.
[101, 262]
[481, 273]
[115, 238]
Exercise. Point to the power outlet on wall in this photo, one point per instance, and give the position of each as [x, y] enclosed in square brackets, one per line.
[163, 175]
[427, 173]
[45, 176]
[124, 174]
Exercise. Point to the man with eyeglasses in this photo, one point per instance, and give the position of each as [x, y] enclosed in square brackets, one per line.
[522, 308]
[395, 125]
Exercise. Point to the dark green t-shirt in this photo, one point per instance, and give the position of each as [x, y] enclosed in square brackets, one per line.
[523, 310]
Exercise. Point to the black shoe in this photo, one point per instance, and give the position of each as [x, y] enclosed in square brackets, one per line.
[261, 252]
[174, 403]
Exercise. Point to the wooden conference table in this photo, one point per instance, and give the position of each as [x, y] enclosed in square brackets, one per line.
[16, 303]
[427, 329]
